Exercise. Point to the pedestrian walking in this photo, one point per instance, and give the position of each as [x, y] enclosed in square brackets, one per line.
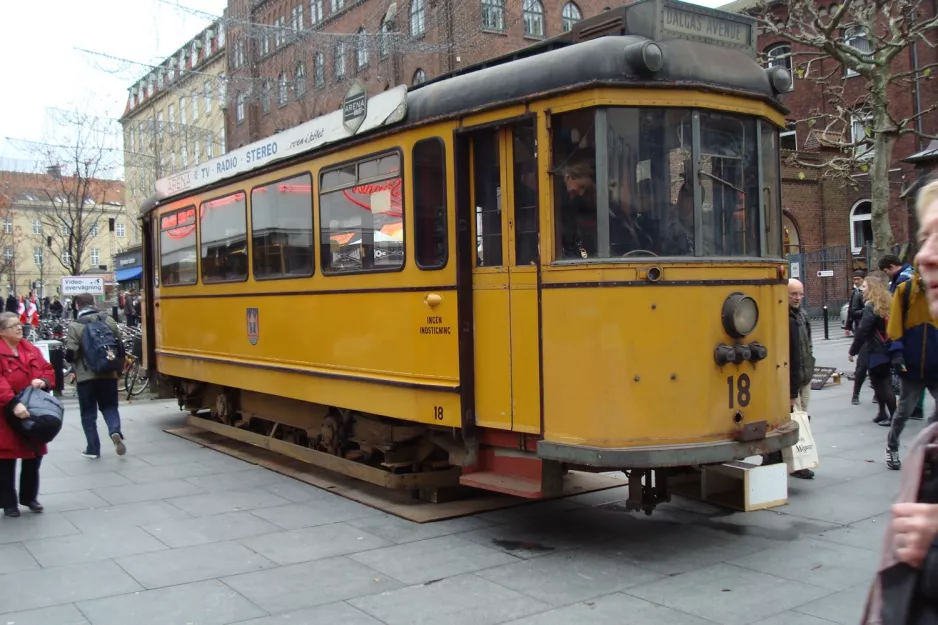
[129, 312]
[871, 337]
[93, 345]
[900, 273]
[21, 366]
[854, 314]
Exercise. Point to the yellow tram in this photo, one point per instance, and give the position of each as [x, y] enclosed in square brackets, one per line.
[567, 258]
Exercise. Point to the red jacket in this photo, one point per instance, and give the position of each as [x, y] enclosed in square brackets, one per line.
[16, 373]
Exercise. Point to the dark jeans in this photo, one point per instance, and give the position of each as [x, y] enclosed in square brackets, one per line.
[861, 370]
[912, 390]
[92, 396]
[29, 482]
[881, 379]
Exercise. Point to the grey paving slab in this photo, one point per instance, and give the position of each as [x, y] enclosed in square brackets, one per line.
[534, 538]
[834, 507]
[530, 511]
[192, 564]
[77, 500]
[15, 558]
[58, 615]
[397, 530]
[728, 594]
[460, 600]
[237, 480]
[210, 529]
[310, 584]
[845, 607]
[142, 513]
[338, 613]
[86, 466]
[202, 603]
[298, 492]
[142, 475]
[600, 497]
[793, 618]
[53, 485]
[227, 501]
[313, 543]
[865, 534]
[317, 512]
[29, 527]
[565, 578]
[222, 463]
[815, 562]
[432, 559]
[28, 590]
[184, 456]
[134, 493]
[614, 609]
[101, 543]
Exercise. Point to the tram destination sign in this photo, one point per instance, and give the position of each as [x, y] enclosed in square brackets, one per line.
[385, 109]
[706, 26]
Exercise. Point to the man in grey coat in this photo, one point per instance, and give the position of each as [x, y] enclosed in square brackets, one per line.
[95, 390]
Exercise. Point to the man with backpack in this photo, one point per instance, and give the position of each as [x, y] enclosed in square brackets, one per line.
[93, 344]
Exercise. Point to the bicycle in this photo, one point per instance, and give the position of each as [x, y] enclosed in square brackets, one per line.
[136, 378]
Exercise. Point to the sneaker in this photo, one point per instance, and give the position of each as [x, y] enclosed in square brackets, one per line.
[804, 474]
[11, 512]
[882, 419]
[892, 460]
[855, 400]
[88, 454]
[119, 445]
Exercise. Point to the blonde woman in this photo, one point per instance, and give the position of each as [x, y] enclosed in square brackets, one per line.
[871, 333]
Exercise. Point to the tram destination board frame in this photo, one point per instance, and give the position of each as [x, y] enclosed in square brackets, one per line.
[661, 20]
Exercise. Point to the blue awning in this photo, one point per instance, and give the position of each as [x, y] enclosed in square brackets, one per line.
[133, 273]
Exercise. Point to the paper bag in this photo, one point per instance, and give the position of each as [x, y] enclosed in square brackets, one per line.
[803, 454]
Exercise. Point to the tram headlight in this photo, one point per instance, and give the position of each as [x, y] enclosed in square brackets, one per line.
[740, 315]
[781, 79]
[645, 57]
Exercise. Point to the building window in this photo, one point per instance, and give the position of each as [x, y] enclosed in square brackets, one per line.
[571, 15]
[265, 97]
[319, 69]
[361, 49]
[361, 216]
[207, 91]
[37, 226]
[195, 54]
[195, 107]
[196, 157]
[8, 254]
[296, 18]
[420, 77]
[172, 162]
[171, 114]
[778, 55]
[861, 226]
[861, 133]
[94, 230]
[299, 86]
[7, 225]
[185, 157]
[282, 229]
[791, 241]
[384, 43]
[339, 61]
[533, 12]
[238, 53]
[493, 15]
[177, 247]
[788, 138]
[208, 148]
[282, 89]
[182, 110]
[223, 230]
[280, 34]
[66, 257]
[430, 244]
[160, 128]
[37, 256]
[222, 89]
[95, 257]
[858, 39]
[315, 12]
[265, 42]
[119, 229]
[221, 34]
[239, 107]
[418, 14]
[337, 5]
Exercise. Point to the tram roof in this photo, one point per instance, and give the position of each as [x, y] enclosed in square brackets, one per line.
[701, 48]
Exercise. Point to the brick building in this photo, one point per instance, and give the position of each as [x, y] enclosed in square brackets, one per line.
[292, 60]
[825, 213]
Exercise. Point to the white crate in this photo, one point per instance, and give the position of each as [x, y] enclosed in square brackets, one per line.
[745, 486]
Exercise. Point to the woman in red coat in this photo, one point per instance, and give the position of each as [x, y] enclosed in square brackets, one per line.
[21, 365]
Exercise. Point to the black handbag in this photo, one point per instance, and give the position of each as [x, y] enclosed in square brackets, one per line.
[44, 422]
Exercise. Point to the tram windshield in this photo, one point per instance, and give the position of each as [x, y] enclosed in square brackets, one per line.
[624, 184]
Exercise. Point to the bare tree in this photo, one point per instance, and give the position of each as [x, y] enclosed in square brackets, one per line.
[863, 38]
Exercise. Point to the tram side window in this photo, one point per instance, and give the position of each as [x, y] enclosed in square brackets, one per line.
[361, 217]
[430, 245]
[282, 229]
[223, 226]
[574, 162]
[178, 248]
[488, 196]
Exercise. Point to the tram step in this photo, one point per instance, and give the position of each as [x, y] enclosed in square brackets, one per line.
[507, 484]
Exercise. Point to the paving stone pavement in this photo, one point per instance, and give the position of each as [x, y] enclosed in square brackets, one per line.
[174, 533]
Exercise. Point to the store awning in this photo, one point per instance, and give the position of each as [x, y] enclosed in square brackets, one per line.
[133, 273]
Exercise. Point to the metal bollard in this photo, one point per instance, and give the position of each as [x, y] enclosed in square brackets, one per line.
[827, 334]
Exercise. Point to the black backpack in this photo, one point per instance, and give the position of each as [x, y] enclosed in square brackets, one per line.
[45, 416]
[100, 348]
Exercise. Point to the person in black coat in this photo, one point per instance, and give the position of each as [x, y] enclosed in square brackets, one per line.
[870, 334]
[12, 305]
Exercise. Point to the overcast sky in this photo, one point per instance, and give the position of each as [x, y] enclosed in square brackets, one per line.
[43, 68]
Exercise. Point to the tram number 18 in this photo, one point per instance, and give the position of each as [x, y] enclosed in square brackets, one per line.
[738, 389]
[438, 413]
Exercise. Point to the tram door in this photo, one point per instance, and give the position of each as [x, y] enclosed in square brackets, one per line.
[502, 185]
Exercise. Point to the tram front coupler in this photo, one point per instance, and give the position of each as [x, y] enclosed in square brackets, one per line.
[647, 489]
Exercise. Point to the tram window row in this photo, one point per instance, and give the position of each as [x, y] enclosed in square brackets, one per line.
[361, 223]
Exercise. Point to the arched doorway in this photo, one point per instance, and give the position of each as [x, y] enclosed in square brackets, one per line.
[791, 239]
[861, 226]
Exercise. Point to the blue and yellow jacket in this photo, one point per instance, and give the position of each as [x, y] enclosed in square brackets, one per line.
[917, 338]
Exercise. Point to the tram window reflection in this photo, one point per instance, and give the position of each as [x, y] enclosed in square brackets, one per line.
[362, 223]
[574, 162]
[429, 167]
[282, 228]
[525, 193]
[488, 199]
[178, 248]
[223, 227]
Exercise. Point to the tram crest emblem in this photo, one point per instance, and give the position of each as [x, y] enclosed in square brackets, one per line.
[254, 326]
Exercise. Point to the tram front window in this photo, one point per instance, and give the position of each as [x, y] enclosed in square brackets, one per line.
[624, 184]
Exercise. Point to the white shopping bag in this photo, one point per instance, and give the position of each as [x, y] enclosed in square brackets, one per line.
[803, 454]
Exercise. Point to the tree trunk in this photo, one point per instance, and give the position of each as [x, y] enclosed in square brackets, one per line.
[884, 140]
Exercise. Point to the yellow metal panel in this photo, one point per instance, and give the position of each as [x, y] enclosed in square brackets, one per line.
[492, 318]
[525, 373]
